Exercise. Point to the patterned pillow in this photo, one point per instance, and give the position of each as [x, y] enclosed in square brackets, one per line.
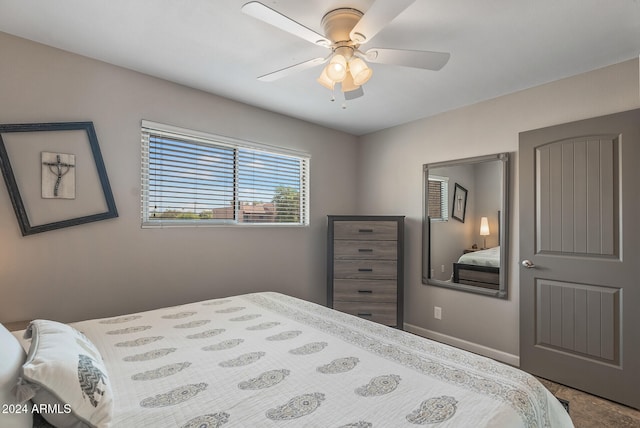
[65, 377]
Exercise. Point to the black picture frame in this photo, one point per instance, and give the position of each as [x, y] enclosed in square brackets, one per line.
[459, 209]
[21, 210]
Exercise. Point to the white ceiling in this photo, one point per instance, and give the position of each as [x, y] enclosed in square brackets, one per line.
[497, 47]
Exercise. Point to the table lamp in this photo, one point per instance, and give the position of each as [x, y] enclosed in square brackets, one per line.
[484, 230]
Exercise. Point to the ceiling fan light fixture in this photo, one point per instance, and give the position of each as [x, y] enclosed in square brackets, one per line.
[325, 81]
[360, 71]
[337, 68]
[348, 84]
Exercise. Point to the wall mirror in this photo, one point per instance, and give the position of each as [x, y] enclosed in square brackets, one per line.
[464, 226]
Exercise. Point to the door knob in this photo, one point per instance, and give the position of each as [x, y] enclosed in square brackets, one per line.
[528, 264]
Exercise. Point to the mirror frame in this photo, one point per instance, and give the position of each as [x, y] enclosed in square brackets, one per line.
[503, 224]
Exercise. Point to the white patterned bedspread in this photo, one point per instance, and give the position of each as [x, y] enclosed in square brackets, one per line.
[488, 257]
[269, 360]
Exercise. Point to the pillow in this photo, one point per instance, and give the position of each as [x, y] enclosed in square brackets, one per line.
[12, 356]
[65, 377]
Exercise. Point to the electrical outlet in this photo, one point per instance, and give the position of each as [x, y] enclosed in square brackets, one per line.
[437, 312]
[442, 268]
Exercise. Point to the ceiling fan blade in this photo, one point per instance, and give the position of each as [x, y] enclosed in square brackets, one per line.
[376, 18]
[409, 58]
[270, 77]
[278, 20]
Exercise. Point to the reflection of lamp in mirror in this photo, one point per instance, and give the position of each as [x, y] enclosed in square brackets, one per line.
[484, 230]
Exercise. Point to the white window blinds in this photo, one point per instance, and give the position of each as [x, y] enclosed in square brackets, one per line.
[192, 178]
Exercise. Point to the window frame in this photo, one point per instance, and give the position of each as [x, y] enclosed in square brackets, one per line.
[213, 140]
[444, 197]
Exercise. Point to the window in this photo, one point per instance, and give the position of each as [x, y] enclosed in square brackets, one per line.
[438, 191]
[193, 178]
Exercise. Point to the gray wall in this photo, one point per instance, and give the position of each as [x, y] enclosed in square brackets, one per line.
[449, 238]
[391, 182]
[488, 201]
[114, 266]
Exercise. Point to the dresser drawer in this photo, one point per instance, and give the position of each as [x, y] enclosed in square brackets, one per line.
[383, 313]
[367, 230]
[365, 269]
[363, 290]
[360, 249]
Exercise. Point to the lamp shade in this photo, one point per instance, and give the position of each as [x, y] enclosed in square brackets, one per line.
[337, 68]
[325, 81]
[360, 71]
[484, 226]
[348, 85]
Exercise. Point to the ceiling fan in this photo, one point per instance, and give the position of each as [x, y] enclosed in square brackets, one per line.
[346, 30]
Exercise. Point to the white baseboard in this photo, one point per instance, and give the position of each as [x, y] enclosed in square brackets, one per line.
[513, 360]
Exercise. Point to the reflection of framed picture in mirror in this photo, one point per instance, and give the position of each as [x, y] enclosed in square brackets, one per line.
[459, 203]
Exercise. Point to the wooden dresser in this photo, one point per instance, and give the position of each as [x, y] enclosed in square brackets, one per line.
[365, 267]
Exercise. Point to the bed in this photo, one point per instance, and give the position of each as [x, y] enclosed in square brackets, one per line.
[271, 360]
[479, 268]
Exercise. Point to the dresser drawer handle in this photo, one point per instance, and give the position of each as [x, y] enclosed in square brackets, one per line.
[365, 230]
[365, 314]
[365, 291]
[365, 250]
[365, 270]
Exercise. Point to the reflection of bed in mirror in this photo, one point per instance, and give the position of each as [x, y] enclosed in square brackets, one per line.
[479, 268]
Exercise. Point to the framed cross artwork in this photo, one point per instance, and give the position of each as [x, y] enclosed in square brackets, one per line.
[55, 175]
[459, 203]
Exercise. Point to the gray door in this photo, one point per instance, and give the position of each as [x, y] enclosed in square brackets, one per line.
[580, 255]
